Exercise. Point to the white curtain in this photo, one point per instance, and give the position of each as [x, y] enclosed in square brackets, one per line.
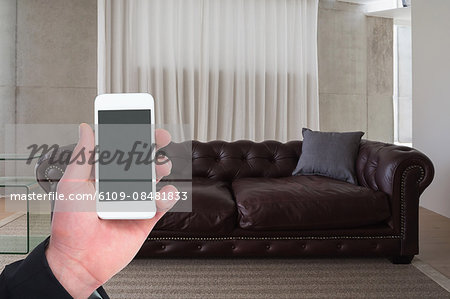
[231, 69]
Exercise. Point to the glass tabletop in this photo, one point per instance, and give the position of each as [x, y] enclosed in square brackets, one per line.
[25, 224]
[12, 157]
[22, 232]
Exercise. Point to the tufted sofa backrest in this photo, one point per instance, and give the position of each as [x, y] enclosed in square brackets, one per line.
[227, 161]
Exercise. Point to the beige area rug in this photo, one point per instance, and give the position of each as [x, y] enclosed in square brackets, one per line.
[13, 232]
[39, 224]
[271, 278]
[265, 278]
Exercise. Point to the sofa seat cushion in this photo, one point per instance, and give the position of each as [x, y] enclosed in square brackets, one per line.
[213, 210]
[306, 202]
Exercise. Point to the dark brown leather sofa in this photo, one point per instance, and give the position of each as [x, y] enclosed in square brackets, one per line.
[245, 203]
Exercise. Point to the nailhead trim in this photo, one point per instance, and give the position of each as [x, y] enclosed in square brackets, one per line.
[266, 238]
[401, 236]
[47, 170]
[402, 195]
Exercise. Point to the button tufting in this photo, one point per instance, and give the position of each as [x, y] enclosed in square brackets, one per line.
[163, 246]
[303, 246]
[217, 159]
[199, 246]
[267, 246]
[233, 247]
[339, 246]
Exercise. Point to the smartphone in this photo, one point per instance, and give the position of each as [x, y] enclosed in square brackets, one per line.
[125, 176]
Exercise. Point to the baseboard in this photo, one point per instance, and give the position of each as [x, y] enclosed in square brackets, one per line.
[432, 273]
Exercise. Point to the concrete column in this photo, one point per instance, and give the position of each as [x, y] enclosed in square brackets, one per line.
[380, 79]
[355, 70]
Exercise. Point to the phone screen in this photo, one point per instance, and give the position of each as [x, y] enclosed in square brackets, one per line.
[124, 155]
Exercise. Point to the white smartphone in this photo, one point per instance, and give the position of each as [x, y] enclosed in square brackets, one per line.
[125, 176]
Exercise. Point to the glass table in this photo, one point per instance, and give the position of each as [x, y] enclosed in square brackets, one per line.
[16, 157]
[21, 230]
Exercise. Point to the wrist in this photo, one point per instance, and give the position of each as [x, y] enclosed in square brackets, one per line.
[70, 273]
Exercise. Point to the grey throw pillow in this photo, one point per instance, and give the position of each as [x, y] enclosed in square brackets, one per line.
[329, 154]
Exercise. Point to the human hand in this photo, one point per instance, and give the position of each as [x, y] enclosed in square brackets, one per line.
[84, 251]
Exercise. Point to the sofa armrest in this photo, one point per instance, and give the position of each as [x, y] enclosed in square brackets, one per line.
[51, 166]
[403, 173]
[383, 166]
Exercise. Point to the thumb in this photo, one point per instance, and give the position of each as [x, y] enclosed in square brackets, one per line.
[76, 177]
[79, 169]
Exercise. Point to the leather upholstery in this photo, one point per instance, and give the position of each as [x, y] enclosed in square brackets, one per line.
[306, 202]
[215, 214]
[269, 248]
[378, 165]
[227, 161]
[401, 173]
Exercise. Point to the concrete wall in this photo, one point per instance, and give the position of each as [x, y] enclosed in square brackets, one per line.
[7, 70]
[7, 65]
[56, 65]
[56, 61]
[431, 95]
[355, 70]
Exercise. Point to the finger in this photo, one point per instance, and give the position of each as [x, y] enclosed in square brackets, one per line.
[163, 169]
[162, 206]
[79, 170]
[162, 137]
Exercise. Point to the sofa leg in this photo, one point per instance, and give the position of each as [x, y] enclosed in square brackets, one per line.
[402, 259]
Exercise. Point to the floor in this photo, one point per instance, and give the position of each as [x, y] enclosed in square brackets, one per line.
[434, 240]
[3, 213]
